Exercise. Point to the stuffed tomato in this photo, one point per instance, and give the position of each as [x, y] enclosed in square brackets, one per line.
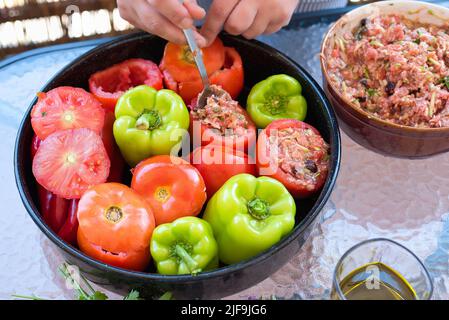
[222, 121]
[294, 153]
[223, 65]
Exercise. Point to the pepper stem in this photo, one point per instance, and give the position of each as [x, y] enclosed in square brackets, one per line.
[150, 120]
[275, 104]
[258, 209]
[114, 214]
[188, 260]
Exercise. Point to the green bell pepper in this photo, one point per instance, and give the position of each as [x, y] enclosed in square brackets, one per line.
[149, 122]
[249, 215]
[184, 246]
[277, 97]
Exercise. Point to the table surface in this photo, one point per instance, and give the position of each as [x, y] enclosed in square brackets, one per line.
[375, 196]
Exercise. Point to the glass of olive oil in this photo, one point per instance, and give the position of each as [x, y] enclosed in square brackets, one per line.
[381, 269]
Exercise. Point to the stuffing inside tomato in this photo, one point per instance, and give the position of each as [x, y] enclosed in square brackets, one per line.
[222, 121]
[294, 153]
[110, 84]
[223, 64]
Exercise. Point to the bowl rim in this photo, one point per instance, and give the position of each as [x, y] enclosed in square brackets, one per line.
[335, 144]
[372, 119]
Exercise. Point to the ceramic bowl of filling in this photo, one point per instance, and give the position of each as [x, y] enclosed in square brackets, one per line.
[386, 72]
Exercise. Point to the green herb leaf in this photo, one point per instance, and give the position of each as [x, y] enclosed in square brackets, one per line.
[98, 295]
[371, 92]
[445, 81]
[133, 295]
[366, 73]
[166, 296]
[33, 297]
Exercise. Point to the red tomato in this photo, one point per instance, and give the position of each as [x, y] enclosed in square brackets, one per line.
[66, 108]
[205, 134]
[294, 153]
[172, 187]
[178, 60]
[109, 85]
[68, 162]
[230, 78]
[217, 164]
[115, 226]
[183, 77]
[52, 208]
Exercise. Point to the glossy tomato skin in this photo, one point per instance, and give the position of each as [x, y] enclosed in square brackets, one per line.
[109, 85]
[225, 69]
[230, 78]
[66, 108]
[179, 61]
[68, 231]
[172, 187]
[218, 164]
[264, 162]
[203, 135]
[115, 226]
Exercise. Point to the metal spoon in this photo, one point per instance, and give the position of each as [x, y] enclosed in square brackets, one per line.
[198, 57]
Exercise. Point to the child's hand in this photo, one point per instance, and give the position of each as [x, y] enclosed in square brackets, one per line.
[165, 18]
[249, 18]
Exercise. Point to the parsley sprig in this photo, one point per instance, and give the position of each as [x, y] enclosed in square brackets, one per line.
[85, 291]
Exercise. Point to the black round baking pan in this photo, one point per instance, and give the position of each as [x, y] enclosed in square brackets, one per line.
[260, 61]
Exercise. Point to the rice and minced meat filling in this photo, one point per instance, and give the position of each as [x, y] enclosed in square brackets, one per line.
[302, 154]
[395, 69]
[223, 114]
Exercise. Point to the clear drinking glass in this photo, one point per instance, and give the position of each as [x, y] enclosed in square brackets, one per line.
[366, 254]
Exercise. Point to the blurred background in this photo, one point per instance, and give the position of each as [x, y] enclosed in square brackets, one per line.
[27, 24]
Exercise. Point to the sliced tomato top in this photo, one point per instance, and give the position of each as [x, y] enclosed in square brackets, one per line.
[68, 162]
[230, 77]
[66, 108]
[109, 85]
[179, 61]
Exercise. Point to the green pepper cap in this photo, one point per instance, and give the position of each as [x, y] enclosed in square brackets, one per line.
[277, 97]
